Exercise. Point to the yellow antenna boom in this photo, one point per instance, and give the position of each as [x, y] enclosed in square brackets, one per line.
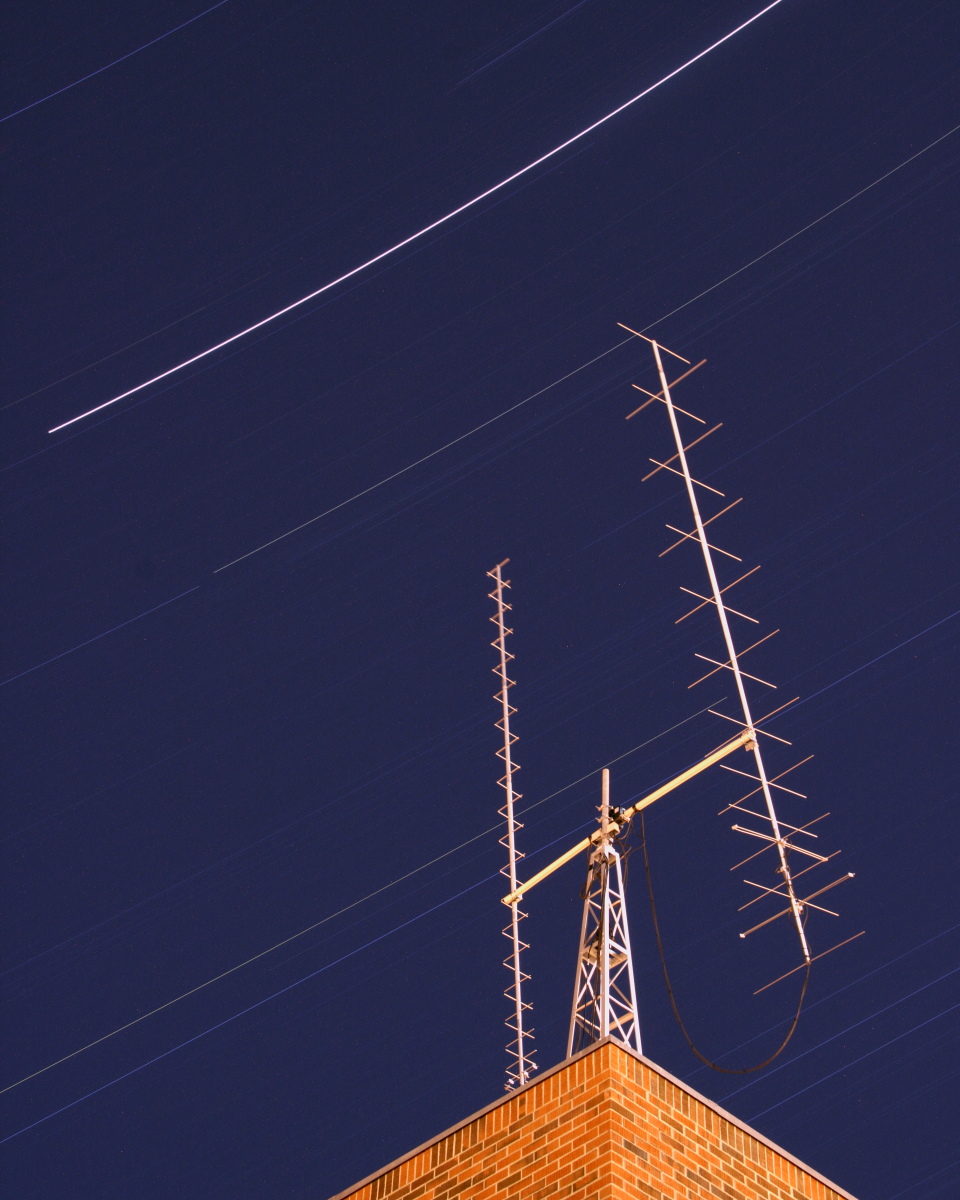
[746, 740]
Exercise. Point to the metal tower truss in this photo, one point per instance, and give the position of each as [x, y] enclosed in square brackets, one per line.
[605, 995]
[786, 843]
[521, 1065]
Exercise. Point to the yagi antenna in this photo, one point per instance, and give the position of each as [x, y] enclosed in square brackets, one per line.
[786, 842]
[521, 1066]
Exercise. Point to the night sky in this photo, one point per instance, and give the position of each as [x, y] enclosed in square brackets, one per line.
[201, 764]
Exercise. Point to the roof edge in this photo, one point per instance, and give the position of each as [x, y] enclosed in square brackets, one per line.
[560, 1066]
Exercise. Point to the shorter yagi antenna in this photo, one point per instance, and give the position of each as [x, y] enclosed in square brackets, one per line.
[785, 841]
[521, 1066]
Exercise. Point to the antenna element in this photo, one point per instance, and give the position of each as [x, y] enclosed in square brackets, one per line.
[521, 1065]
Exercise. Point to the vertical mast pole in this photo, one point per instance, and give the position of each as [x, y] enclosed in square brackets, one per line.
[603, 947]
[732, 653]
[521, 1066]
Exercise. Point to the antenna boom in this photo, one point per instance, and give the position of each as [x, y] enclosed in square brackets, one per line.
[618, 819]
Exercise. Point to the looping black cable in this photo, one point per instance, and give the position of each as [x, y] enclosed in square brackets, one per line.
[673, 1003]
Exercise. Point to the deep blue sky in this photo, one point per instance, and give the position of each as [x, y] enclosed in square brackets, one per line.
[303, 728]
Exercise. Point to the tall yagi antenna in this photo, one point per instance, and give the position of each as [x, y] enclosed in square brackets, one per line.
[604, 995]
[782, 838]
[521, 1066]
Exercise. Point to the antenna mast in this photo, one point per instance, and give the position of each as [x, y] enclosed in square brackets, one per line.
[604, 995]
[521, 1065]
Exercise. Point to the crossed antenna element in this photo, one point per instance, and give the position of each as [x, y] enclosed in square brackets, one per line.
[520, 1065]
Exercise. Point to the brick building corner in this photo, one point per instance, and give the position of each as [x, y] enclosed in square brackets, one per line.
[606, 1124]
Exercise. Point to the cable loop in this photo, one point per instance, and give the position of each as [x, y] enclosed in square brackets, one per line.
[673, 1002]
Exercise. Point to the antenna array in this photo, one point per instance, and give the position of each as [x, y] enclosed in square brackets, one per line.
[521, 1065]
[604, 998]
[784, 840]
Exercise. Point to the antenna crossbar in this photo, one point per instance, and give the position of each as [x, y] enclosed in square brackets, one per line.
[692, 537]
[796, 876]
[695, 442]
[709, 599]
[674, 471]
[693, 533]
[782, 841]
[748, 812]
[775, 891]
[764, 732]
[713, 599]
[771, 780]
[802, 903]
[653, 397]
[653, 343]
[800, 967]
[727, 666]
[778, 786]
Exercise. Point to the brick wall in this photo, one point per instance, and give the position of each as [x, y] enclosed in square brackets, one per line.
[606, 1124]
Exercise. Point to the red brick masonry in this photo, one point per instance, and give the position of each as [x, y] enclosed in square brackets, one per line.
[606, 1124]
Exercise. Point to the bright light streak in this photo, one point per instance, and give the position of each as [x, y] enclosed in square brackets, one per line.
[250, 1008]
[259, 1003]
[898, 646]
[425, 230]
